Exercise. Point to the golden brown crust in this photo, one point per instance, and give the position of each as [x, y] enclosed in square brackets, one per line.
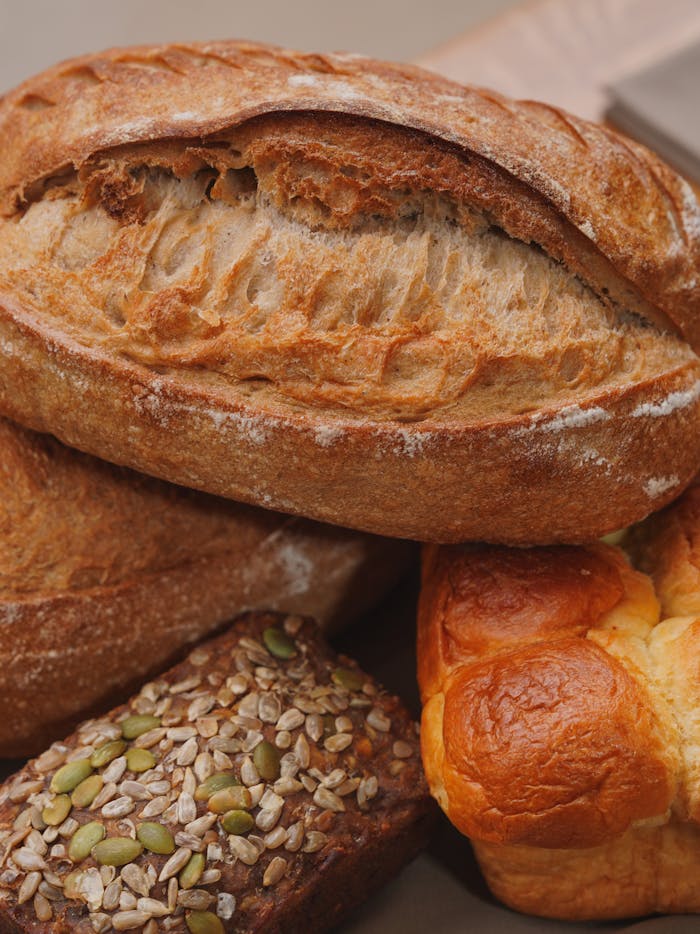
[106, 576]
[567, 735]
[306, 352]
[598, 181]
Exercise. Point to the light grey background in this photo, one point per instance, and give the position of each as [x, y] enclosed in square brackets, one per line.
[38, 33]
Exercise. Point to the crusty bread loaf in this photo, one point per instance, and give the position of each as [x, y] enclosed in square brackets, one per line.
[561, 723]
[105, 577]
[321, 798]
[349, 290]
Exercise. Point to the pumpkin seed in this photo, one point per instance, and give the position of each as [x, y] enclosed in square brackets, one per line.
[156, 838]
[84, 839]
[87, 791]
[140, 760]
[70, 776]
[104, 754]
[348, 679]
[278, 643]
[267, 761]
[237, 822]
[192, 873]
[236, 797]
[117, 851]
[57, 811]
[138, 724]
[203, 922]
[215, 783]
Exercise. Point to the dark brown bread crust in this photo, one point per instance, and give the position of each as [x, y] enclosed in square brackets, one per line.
[594, 457]
[107, 576]
[344, 854]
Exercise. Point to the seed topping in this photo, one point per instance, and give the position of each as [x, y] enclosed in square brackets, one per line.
[249, 760]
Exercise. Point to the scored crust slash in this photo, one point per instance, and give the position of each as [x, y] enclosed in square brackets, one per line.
[349, 290]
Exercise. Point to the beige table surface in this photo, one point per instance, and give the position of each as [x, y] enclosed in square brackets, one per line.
[565, 52]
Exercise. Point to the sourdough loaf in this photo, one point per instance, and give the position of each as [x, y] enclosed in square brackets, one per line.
[349, 290]
[263, 785]
[105, 577]
[560, 726]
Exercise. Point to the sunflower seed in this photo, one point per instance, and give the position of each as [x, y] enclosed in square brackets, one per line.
[275, 870]
[177, 861]
[200, 826]
[28, 888]
[127, 901]
[203, 766]
[42, 908]
[136, 879]
[153, 907]
[128, 920]
[135, 790]
[188, 752]
[155, 808]
[120, 807]
[171, 891]
[378, 720]
[28, 860]
[266, 820]
[325, 798]
[111, 897]
[186, 808]
[333, 779]
[20, 792]
[314, 726]
[338, 743]
[243, 849]
[149, 739]
[315, 840]
[275, 838]
[295, 837]
[287, 786]
[290, 720]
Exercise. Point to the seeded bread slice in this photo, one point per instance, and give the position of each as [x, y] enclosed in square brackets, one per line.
[329, 798]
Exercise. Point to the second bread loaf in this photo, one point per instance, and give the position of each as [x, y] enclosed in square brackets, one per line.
[106, 576]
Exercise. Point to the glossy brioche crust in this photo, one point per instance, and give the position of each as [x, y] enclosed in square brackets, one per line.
[106, 576]
[560, 717]
[359, 278]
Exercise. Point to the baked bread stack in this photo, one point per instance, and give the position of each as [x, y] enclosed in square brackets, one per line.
[358, 293]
